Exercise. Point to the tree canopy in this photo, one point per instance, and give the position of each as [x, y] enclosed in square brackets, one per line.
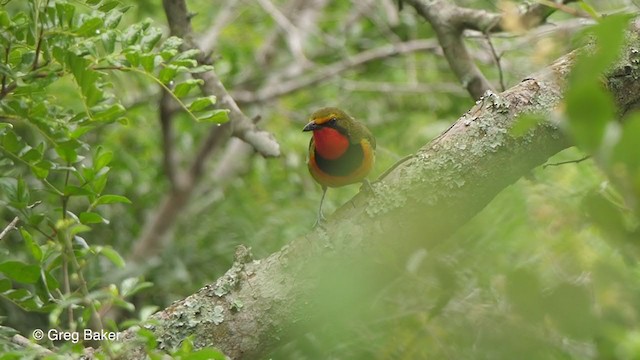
[153, 183]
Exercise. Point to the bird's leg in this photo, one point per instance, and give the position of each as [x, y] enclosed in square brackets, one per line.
[321, 219]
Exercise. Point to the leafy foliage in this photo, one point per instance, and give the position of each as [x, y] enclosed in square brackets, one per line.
[57, 93]
[548, 269]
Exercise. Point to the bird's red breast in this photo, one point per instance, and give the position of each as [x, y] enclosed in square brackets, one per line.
[341, 150]
[330, 143]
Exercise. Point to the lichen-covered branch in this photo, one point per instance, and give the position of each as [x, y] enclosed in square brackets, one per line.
[418, 204]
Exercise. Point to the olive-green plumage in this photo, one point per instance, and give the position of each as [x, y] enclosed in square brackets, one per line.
[341, 150]
[354, 130]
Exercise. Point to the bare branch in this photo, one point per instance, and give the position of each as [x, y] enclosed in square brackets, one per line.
[441, 15]
[395, 88]
[208, 41]
[11, 226]
[326, 72]
[497, 59]
[293, 38]
[449, 21]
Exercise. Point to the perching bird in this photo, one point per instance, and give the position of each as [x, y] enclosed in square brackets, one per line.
[341, 150]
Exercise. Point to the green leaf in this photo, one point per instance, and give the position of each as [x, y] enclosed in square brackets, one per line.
[110, 254]
[103, 158]
[202, 103]
[108, 114]
[215, 116]
[24, 299]
[131, 286]
[587, 124]
[90, 27]
[186, 63]
[183, 88]
[111, 199]
[204, 354]
[167, 74]
[5, 284]
[133, 57]
[4, 127]
[108, 6]
[78, 228]
[589, 10]
[67, 151]
[41, 169]
[625, 152]
[150, 39]
[65, 13]
[21, 272]
[30, 155]
[51, 282]
[31, 245]
[609, 34]
[92, 218]
[605, 215]
[72, 190]
[10, 142]
[86, 79]
[108, 41]
[148, 62]
[188, 54]
[5, 20]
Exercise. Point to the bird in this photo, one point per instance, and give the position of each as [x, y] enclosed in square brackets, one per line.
[341, 151]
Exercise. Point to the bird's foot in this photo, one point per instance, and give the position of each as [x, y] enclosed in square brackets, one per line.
[320, 221]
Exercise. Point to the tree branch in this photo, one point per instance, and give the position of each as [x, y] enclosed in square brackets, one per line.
[289, 86]
[449, 22]
[242, 127]
[422, 201]
[238, 125]
[11, 226]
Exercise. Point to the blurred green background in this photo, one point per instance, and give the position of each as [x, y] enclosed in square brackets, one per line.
[537, 274]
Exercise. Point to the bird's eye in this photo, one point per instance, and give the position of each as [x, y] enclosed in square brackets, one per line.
[333, 121]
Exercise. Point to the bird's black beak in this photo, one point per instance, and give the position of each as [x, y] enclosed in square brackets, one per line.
[311, 126]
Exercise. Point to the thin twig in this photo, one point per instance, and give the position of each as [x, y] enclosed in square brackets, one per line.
[576, 161]
[40, 36]
[291, 85]
[209, 40]
[11, 226]
[292, 37]
[497, 58]
[6, 61]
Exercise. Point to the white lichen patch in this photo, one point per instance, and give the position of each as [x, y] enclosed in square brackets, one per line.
[384, 199]
[218, 315]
